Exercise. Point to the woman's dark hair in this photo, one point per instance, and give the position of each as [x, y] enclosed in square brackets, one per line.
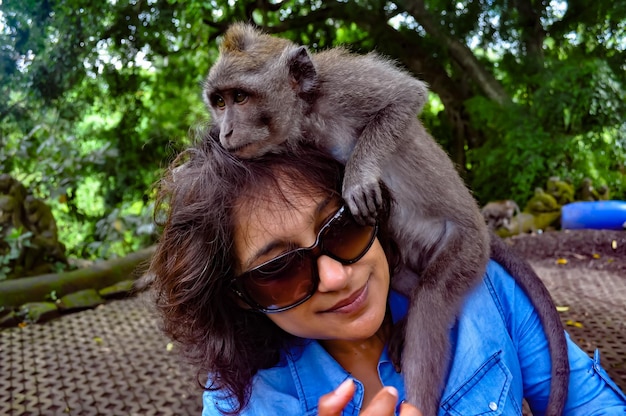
[194, 260]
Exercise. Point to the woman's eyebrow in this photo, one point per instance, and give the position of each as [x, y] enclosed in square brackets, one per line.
[269, 247]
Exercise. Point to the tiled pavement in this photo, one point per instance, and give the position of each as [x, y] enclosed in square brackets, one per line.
[112, 360]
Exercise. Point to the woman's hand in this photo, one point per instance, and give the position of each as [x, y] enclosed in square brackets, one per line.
[383, 404]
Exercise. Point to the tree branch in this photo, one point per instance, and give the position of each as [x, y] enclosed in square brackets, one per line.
[463, 56]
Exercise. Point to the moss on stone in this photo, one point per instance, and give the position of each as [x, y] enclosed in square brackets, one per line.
[118, 290]
[82, 299]
[38, 311]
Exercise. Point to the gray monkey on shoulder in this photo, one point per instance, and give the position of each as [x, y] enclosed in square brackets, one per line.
[265, 93]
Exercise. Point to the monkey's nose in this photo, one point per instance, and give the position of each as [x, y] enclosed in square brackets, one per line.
[228, 133]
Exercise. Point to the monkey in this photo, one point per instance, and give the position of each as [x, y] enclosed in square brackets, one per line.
[265, 93]
[498, 214]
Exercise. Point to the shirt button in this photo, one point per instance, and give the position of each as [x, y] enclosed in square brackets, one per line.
[493, 406]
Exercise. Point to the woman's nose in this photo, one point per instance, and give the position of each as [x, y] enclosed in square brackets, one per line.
[334, 276]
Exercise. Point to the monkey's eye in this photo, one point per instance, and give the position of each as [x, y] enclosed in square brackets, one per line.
[239, 96]
[218, 101]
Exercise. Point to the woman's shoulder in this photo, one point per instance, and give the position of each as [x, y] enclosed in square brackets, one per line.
[496, 287]
[497, 295]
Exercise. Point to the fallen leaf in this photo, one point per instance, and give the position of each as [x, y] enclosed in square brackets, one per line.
[98, 340]
[22, 324]
[577, 324]
[562, 308]
[595, 255]
[169, 347]
[561, 261]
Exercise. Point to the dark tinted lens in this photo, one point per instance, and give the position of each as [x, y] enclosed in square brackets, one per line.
[346, 240]
[282, 282]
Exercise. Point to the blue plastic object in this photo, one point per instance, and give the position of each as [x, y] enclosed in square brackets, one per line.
[600, 215]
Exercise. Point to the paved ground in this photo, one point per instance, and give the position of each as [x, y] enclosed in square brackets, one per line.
[113, 361]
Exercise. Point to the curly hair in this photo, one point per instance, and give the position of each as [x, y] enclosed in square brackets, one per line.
[194, 260]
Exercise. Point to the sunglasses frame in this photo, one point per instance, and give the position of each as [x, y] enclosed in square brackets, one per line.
[316, 251]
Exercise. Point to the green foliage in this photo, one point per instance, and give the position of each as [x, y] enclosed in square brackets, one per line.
[571, 125]
[97, 104]
[99, 96]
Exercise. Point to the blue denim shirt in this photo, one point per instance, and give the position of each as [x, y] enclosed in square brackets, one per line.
[499, 357]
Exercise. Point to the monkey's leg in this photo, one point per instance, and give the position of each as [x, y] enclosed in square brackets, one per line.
[528, 280]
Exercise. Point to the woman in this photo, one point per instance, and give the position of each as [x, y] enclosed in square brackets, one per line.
[269, 286]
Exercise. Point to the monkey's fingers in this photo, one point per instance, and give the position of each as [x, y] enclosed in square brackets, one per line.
[364, 214]
[369, 203]
[357, 205]
[374, 200]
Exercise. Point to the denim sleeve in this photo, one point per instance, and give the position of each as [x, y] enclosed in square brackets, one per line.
[591, 391]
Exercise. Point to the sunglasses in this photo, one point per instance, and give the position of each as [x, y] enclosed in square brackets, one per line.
[290, 279]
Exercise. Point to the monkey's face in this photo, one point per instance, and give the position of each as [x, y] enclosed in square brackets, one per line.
[246, 128]
[254, 106]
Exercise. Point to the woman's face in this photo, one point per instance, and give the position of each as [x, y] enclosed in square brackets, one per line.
[350, 302]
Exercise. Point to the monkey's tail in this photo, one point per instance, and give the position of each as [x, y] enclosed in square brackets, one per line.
[528, 280]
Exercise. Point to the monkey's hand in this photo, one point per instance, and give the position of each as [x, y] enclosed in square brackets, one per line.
[363, 192]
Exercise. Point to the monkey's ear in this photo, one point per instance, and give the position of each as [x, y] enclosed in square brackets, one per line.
[302, 71]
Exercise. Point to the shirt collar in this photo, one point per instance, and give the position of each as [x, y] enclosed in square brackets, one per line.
[309, 363]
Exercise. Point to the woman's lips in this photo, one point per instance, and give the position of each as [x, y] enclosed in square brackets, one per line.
[351, 303]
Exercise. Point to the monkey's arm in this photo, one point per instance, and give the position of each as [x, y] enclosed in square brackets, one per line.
[382, 137]
[380, 140]
[377, 102]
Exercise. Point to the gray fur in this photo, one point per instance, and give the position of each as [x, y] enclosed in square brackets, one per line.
[363, 110]
[498, 214]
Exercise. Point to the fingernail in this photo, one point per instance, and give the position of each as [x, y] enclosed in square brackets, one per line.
[392, 390]
[344, 387]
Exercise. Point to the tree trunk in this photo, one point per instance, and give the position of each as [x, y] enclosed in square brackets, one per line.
[533, 33]
[16, 292]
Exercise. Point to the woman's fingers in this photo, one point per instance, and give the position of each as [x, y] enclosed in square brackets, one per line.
[332, 404]
[407, 409]
[383, 404]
